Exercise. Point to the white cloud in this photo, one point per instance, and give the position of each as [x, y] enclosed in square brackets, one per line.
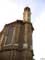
[39, 36]
[3, 12]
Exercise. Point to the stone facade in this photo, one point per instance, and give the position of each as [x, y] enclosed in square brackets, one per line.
[16, 41]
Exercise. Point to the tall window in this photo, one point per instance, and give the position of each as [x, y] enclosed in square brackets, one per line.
[9, 35]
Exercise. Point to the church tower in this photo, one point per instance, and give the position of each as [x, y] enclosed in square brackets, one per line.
[28, 32]
[16, 39]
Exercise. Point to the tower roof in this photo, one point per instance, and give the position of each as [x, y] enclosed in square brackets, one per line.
[26, 9]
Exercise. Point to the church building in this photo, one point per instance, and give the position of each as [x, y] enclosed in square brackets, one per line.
[16, 39]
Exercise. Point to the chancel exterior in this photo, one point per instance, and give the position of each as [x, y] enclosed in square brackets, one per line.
[16, 39]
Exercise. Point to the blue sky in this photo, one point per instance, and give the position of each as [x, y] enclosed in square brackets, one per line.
[11, 10]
